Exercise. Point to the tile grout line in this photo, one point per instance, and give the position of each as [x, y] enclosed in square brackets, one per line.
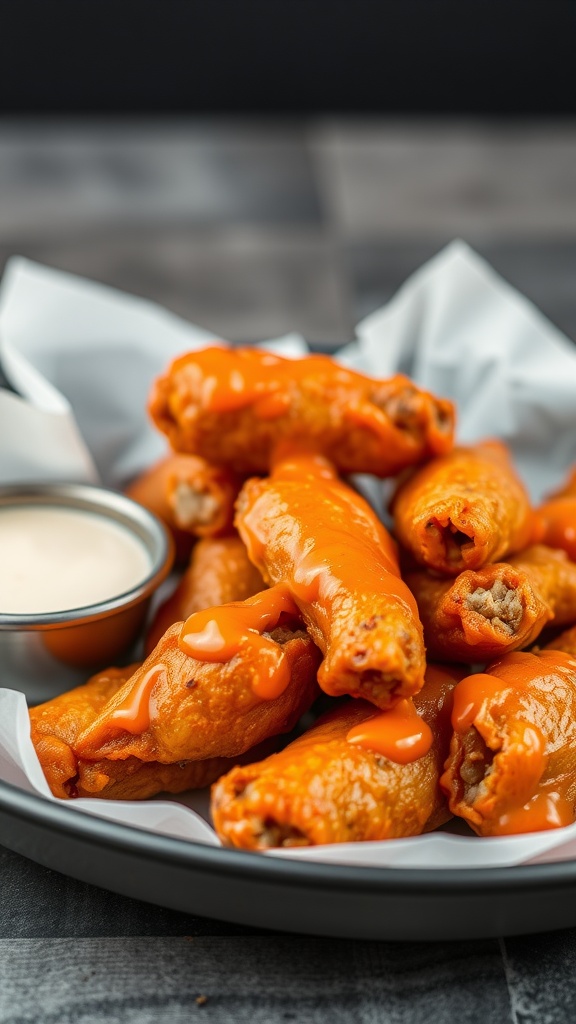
[507, 977]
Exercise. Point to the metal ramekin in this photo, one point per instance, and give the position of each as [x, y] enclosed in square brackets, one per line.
[93, 636]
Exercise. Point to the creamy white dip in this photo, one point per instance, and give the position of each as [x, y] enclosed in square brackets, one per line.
[54, 559]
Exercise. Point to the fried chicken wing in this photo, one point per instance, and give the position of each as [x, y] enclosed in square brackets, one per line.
[558, 516]
[464, 509]
[56, 725]
[235, 406]
[554, 575]
[512, 763]
[219, 572]
[305, 529]
[192, 497]
[481, 614]
[499, 608]
[175, 708]
[326, 787]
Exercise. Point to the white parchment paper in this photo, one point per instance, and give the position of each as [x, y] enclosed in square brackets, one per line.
[82, 357]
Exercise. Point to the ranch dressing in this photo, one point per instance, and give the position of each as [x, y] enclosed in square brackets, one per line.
[55, 559]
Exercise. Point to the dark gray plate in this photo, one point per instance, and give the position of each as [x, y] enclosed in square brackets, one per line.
[354, 902]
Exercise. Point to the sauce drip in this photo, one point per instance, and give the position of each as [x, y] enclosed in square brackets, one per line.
[345, 546]
[526, 747]
[218, 634]
[399, 734]
[544, 811]
[236, 378]
[469, 697]
[515, 671]
[133, 714]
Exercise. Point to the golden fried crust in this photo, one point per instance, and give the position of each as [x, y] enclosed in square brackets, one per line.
[512, 762]
[56, 725]
[234, 406]
[554, 576]
[480, 615]
[465, 509]
[219, 571]
[305, 529]
[323, 789]
[558, 517]
[133, 779]
[177, 709]
[201, 720]
[193, 498]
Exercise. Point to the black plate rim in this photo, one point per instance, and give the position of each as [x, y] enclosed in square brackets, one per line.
[162, 849]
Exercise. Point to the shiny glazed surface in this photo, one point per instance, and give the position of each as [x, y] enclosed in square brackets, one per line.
[196, 710]
[465, 509]
[324, 789]
[306, 529]
[234, 406]
[219, 572]
[511, 759]
[57, 724]
[455, 630]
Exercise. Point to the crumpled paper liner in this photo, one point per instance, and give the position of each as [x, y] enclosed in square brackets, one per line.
[82, 357]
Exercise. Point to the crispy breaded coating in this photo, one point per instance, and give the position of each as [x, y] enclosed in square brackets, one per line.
[479, 615]
[219, 572]
[464, 509]
[323, 788]
[497, 609]
[235, 406]
[175, 708]
[192, 497]
[307, 530]
[553, 575]
[56, 725]
[512, 763]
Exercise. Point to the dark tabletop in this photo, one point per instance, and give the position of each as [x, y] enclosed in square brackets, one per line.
[254, 229]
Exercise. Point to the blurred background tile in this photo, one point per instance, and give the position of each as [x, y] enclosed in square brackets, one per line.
[63, 176]
[428, 177]
[242, 283]
[253, 229]
[544, 271]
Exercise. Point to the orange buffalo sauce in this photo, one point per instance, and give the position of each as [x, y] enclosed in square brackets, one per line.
[218, 634]
[399, 734]
[515, 671]
[544, 811]
[469, 697]
[235, 379]
[239, 377]
[336, 538]
[526, 742]
[559, 524]
[133, 714]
